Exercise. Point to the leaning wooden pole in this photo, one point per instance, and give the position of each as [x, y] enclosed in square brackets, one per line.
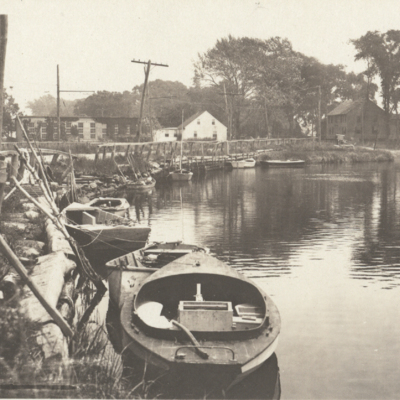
[14, 261]
[3, 46]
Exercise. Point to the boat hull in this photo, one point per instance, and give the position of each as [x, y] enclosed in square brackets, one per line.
[283, 164]
[108, 242]
[242, 163]
[181, 177]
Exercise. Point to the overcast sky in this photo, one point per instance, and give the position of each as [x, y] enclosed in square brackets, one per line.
[94, 41]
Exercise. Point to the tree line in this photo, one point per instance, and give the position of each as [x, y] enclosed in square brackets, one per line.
[256, 87]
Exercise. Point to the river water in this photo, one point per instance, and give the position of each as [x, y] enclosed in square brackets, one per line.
[324, 243]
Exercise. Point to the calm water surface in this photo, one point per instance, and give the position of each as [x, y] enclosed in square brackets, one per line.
[324, 242]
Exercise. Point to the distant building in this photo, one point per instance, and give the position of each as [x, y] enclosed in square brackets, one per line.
[356, 120]
[84, 128]
[203, 126]
[166, 135]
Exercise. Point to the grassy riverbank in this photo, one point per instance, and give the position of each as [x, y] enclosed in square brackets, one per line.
[327, 153]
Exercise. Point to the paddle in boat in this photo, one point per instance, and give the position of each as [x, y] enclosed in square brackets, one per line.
[198, 316]
[242, 163]
[283, 163]
[116, 206]
[103, 234]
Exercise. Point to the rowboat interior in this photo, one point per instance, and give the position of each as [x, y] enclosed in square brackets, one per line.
[81, 215]
[202, 303]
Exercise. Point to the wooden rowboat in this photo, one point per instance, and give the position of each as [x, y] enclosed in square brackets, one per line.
[283, 163]
[181, 175]
[103, 234]
[247, 163]
[116, 206]
[196, 314]
[141, 184]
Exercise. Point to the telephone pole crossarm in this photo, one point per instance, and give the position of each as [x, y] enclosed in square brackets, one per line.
[146, 62]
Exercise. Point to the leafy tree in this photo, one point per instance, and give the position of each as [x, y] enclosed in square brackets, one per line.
[108, 104]
[381, 51]
[47, 106]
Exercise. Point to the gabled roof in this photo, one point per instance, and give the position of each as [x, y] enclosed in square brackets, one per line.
[192, 118]
[344, 107]
[348, 105]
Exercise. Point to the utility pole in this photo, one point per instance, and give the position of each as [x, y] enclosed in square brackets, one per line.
[228, 113]
[319, 113]
[146, 78]
[58, 104]
[58, 101]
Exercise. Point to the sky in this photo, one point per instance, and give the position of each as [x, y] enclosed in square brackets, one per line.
[94, 41]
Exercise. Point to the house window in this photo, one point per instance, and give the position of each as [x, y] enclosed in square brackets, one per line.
[104, 130]
[213, 122]
[198, 122]
[80, 125]
[44, 129]
[115, 129]
[128, 129]
[68, 124]
[31, 124]
[214, 135]
[80, 130]
[92, 130]
[92, 136]
[167, 135]
[92, 125]
[81, 135]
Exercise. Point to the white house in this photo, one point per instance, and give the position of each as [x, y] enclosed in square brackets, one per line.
[203, 125]
[166, 135]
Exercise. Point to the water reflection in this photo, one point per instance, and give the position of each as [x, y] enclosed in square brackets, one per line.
[324, 241]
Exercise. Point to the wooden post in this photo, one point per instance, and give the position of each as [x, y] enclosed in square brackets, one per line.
[96, 156]
[113, 152]
[128, 149]
[104, 152]
[14, 261]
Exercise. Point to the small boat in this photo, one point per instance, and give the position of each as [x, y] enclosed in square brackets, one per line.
[103, 234]
[144, 183]
[283, 163]
[181, 175]
[243, 163]
[196, 315]
[116, 206]
[144, 262]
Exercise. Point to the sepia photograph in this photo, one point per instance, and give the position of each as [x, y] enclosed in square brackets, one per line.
[198, 199]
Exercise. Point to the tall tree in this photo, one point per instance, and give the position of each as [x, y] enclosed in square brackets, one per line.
[46, 106]
[382, 53]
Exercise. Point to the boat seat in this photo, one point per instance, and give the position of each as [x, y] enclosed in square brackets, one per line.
[248, 310]
[88, 219]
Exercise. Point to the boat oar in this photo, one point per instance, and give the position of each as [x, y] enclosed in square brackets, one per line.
[196, 344]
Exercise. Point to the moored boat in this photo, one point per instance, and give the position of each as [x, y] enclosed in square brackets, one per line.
[144, 262]
[181, 175]
[116, 206]
[103, 234]
[283, 163]
[144, 183]
[242, 163]
[197, 314]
